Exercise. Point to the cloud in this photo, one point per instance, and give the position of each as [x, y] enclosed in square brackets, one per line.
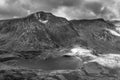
[95, 7]
[2, 2]
[90, 9]
[71, 9]
[74, 13]
[9, 8]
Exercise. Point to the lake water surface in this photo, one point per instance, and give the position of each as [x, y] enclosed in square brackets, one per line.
[59, 63]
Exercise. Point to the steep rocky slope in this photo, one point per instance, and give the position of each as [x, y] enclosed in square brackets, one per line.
[43, 39]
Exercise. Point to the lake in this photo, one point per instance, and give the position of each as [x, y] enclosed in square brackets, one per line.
[59, 63]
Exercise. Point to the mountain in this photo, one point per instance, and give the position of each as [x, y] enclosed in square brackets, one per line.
[32, 34]
[44, 41]
[41, 31]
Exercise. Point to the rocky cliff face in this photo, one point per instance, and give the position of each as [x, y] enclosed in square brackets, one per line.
[43, 35]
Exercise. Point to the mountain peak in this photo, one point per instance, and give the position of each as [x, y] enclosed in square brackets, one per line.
[42, 16]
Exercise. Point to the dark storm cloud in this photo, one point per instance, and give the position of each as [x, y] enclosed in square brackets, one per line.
[71, 9]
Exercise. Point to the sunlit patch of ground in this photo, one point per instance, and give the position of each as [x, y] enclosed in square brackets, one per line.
[113, 32]
[108, 60]
[118, 29]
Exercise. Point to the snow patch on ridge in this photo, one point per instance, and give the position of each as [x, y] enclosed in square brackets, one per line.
[80, 52]
[107, 60]
[118, 29]
[113, 32]
[43, 21]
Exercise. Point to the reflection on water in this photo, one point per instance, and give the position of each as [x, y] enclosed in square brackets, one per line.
[59, 63]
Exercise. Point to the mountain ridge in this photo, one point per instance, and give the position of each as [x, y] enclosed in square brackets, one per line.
[44, 31]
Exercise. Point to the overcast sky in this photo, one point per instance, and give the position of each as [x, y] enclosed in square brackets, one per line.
[70, 9]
